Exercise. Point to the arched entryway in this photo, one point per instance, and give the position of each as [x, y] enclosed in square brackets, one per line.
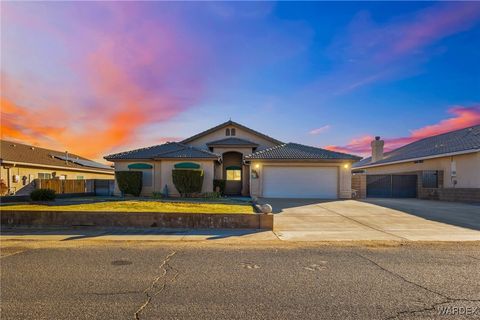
[232, 172]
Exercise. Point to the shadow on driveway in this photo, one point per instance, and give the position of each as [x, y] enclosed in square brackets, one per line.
[453, 213]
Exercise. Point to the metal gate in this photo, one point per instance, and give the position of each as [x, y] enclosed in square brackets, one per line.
[392, 186]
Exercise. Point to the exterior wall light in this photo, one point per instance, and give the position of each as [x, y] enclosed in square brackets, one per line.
[346, 165]
[257, 166]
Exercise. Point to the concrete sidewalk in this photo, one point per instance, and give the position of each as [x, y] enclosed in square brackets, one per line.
[132, 234]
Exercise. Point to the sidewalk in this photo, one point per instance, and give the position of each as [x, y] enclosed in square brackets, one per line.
[152, 234]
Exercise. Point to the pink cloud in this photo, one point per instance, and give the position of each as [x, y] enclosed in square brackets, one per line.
[462, 117]
[320, 130]
[370, 52]
[132, 74]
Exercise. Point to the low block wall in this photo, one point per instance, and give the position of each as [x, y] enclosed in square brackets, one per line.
[137, 219]
[459, 194]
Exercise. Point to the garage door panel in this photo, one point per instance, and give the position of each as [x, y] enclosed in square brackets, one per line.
[300, 182]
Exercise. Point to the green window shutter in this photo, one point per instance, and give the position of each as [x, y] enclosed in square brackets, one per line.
[187, 165]
[140, 166]
[233, 168]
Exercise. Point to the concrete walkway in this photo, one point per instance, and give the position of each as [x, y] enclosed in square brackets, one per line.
[377, 219]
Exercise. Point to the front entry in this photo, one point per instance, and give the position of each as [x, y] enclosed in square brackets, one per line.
[232, 172]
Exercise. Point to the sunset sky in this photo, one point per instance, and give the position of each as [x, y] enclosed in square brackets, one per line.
[95, 78]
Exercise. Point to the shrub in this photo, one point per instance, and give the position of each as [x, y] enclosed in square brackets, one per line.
[129, 182]
[220, 184]
[188, 181]
[43, 195]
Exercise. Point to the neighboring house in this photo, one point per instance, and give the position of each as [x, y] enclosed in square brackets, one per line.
[252, 163]
[443, 167]
[21, 164]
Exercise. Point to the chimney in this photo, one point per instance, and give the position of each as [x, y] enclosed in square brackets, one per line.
[377, 149]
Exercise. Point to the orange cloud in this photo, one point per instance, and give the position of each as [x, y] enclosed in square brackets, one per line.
[463, 117]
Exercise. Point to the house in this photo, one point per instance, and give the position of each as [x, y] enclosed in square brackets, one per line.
[250, 162]
[21, 164]
[442, 167]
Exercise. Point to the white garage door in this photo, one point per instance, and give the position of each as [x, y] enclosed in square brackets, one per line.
[300, 182]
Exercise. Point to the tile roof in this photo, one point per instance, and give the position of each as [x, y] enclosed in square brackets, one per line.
[19, 152]
[167, 150]
[450, 142]
[295, 151]
[231, 123]
[232, 142]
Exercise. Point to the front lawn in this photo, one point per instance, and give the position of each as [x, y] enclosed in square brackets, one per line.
[138, 206]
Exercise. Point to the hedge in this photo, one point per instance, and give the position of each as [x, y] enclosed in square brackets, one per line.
[188, 181]
[43, 195]
[129, 182]
[220, 184]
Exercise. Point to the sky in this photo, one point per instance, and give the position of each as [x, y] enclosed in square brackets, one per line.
[96, 78]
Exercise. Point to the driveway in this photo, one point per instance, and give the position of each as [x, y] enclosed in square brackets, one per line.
[374, 219]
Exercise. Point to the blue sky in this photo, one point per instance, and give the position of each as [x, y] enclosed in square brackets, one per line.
[333, 74]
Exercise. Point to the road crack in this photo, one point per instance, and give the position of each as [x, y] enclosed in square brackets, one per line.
[157, 286]
[431, 307]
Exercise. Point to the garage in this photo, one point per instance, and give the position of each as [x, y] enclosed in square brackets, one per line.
[392, 186]
[300, 182]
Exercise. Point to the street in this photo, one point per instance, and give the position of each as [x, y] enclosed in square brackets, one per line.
[91, 279]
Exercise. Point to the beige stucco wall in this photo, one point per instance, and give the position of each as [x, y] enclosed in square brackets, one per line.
[468, 169]
[344, 175]
[162, 175]
[201, 142]
[146, 189]
[166, 175]
[32, 173]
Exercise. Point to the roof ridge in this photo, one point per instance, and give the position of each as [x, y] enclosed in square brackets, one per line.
[226, 123]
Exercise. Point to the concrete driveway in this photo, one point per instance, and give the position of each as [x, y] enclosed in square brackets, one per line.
[374, 219]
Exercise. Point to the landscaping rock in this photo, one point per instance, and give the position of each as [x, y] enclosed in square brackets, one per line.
[266, 208]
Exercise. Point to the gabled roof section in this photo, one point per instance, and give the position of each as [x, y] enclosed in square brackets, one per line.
[463, 140]
[295, 151]
[230, 123]
[168, 150]
[232, 142]
[23, 153]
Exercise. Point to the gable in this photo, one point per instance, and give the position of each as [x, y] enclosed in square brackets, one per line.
[241, 132]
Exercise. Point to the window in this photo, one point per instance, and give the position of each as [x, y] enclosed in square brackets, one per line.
[43, 175]
[232, 131]
[430, 179]
[227, 131]
[234, 175]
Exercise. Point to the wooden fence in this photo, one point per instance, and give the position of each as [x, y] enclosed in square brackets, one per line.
[62, 186]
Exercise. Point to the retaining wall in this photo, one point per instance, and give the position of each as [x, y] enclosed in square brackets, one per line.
[136, 219]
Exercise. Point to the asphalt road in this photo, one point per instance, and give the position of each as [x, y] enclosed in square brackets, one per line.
[135, 280]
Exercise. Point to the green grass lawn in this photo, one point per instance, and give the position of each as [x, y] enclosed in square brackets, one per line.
[138, 206]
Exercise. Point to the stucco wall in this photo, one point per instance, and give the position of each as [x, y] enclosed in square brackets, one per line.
[201, 142]
[146, 189]
[162, 175]
[32, 173]
[344, 176]
[468, 169]
[166, 175]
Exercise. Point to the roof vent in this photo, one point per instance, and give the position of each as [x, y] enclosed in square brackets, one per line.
[377, 138]
[13, 145]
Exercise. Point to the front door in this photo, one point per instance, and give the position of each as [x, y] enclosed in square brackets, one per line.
[232, 173]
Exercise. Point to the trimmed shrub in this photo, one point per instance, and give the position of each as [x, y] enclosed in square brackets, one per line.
[129, 182]
[220, 184]
[188, 181]
[43, 195]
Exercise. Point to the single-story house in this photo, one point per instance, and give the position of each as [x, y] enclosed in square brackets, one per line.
[442, 167]
[250, 162]
[21, 164]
